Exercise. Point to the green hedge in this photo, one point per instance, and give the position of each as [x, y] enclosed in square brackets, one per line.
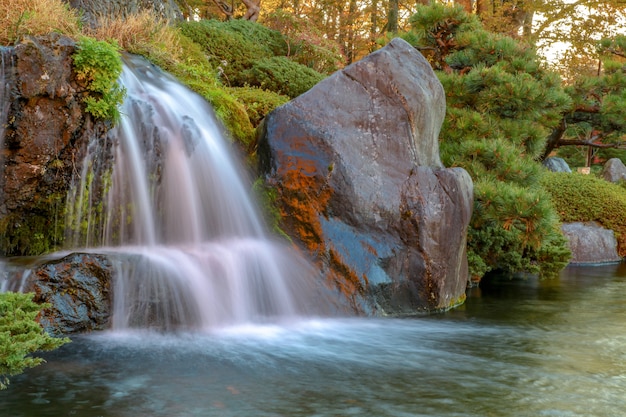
[281, 75]
[582, 198]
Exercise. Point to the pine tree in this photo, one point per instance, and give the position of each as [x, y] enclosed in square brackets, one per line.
[597, 117]
[21, 335]
[501, 106]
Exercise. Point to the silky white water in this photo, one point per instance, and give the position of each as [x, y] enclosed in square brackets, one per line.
[175, 205]
[7, 65]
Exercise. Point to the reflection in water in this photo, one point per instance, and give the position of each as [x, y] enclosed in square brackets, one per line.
[516, 348]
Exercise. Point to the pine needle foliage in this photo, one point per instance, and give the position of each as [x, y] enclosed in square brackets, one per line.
[598, 112]
[501, 106]
[21, 335]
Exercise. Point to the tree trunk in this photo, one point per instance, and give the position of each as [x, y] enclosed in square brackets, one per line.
[254, 9]
[467, 5]
[374, 25]
[392, 17]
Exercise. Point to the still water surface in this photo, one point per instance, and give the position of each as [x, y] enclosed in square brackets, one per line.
[518, 348]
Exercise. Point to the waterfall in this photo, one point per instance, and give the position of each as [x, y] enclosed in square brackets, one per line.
[164, 192]
[6, 84]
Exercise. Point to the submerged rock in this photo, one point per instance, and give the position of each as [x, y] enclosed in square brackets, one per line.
[355, 162]
[590, 243]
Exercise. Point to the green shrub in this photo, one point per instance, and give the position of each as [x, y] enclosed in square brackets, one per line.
[98, 66]
[230, 53]
[21, 335]
[281, 75]
[583, 198]
[494, 159]
[271, 40]
[514, 229]
[258, 102]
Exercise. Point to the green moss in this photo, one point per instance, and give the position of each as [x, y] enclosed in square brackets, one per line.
[268, 201]
[39, 232]
[98, 65]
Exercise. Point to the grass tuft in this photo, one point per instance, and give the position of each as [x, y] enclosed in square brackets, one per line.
[36, 17]
[142, 34]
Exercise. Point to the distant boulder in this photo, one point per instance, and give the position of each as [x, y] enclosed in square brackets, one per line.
[355, 163]
[614, 170]
[590, 243]
[555, 164]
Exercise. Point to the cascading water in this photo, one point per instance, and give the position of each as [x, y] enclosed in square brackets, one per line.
[6, 84]
[172, 204]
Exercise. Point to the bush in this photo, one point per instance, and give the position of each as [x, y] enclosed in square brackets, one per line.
[585, 198]
[501, 106]
[272, 41]
[258, 102]
[36, 17]
[281, 75]
[21, 335]
[229, 52]
[98, 66]
[514, 229]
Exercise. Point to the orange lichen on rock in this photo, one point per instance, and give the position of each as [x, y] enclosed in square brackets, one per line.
[303, 197]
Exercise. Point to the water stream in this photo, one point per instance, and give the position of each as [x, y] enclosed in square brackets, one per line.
[175, 200]
[7, 80]
[516, 349]
[194, 257]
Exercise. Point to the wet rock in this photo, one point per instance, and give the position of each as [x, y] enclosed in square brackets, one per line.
[614, 170]
[47, 132]
[355, 162]
[78, 288]
[555, 164]
[590, 243]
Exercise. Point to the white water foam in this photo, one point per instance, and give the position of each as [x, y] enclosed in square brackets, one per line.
[175, 207]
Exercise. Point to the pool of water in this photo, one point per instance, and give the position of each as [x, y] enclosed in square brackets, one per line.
[516, 348]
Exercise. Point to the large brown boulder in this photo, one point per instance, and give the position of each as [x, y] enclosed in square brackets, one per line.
[355, 162]
[45, 137]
